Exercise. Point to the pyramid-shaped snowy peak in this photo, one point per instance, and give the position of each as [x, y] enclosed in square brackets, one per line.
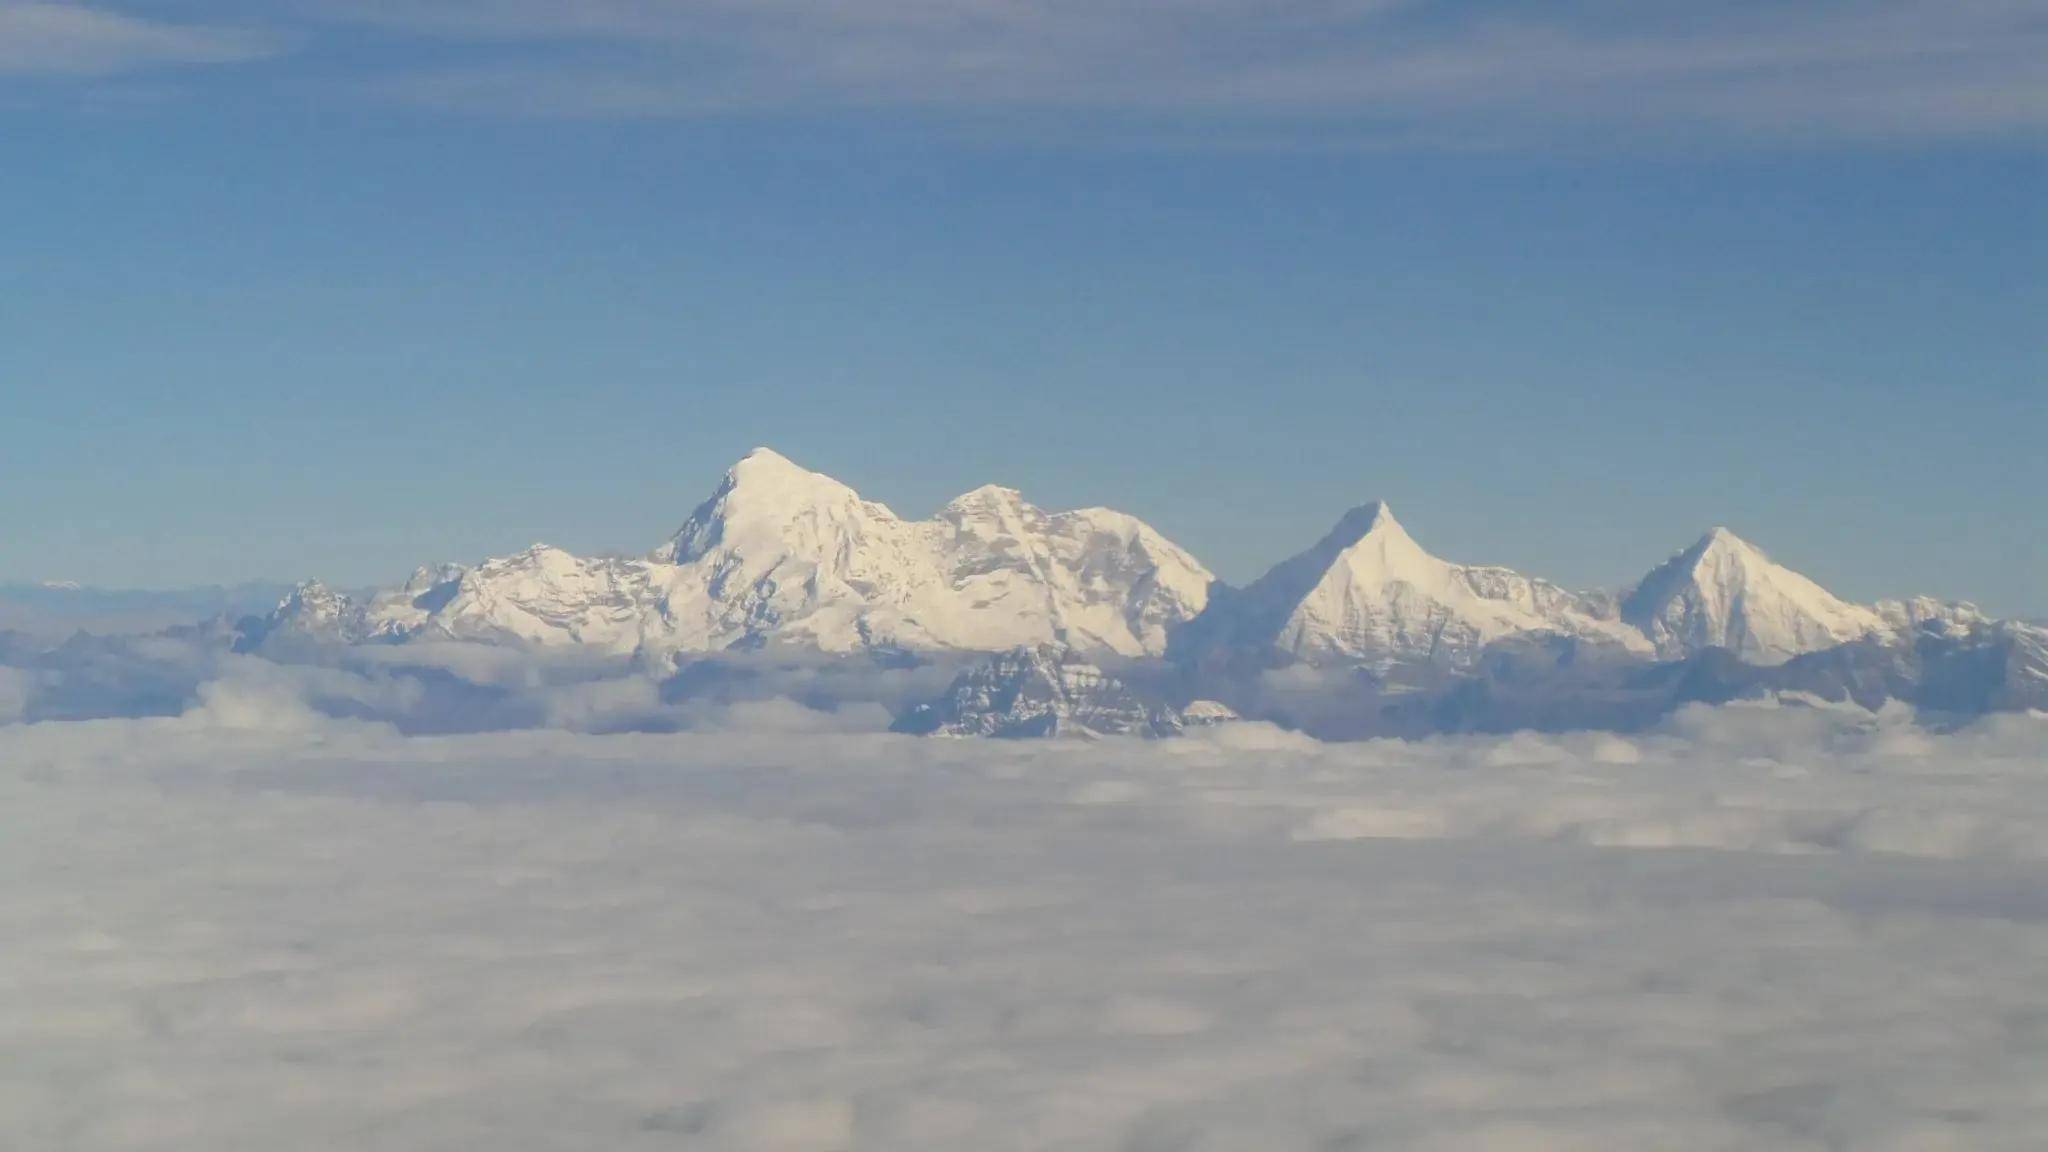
[1723, 592]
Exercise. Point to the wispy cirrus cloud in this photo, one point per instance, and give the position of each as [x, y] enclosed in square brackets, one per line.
[61, 39]
[1896, 69]
[1411, 70]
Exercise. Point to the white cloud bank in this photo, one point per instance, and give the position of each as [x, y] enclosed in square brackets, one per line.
[251, 927]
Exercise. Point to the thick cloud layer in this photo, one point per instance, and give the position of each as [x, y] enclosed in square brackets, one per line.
[253, 926]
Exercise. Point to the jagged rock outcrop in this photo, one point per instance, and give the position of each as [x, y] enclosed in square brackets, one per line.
[1041, 692]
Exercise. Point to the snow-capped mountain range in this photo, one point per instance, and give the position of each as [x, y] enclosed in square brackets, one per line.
[780, 556]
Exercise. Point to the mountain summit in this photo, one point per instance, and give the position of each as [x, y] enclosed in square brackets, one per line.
[1367, 593]
[767, 500]
[1724, 592]
[781, 555]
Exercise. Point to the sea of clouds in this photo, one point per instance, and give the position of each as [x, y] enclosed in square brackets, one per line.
[257, 924]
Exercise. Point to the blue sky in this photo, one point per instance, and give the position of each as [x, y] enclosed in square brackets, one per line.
[335, 287]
